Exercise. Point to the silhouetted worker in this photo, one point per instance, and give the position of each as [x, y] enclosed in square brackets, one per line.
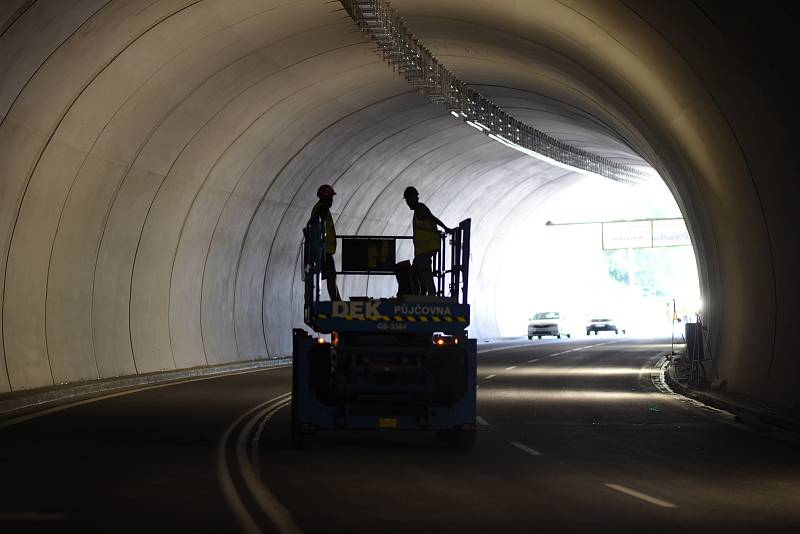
[426, 241]
[322, 213]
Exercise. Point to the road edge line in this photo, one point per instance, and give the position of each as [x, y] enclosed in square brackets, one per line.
[76, 395]
[641, 496]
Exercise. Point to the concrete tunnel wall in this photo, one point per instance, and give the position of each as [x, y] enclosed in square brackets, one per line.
[157, 160]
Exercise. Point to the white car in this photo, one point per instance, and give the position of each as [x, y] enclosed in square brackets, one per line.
[603, 323]
[548, 324]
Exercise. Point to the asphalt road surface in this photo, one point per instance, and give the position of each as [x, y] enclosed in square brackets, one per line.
[575, 436]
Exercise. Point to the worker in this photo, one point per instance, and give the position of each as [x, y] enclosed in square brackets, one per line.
[322, 213]
[426, 241]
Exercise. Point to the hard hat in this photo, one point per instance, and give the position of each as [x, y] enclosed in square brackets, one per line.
[411, 192]
[325, 191]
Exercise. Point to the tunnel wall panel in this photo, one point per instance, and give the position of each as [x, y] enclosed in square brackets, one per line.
[158, 157]
[313, 104]
[750, 93]
[26, 271]
[31, 32]
[155, 255]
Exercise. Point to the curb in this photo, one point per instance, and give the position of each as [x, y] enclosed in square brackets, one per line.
[20, 401]
[759, 420]
[686, 391]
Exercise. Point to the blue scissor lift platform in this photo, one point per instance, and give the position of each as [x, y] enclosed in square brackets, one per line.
[399, 363]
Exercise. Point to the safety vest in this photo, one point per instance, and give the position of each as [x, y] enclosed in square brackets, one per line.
[330, 230]
[426, 236]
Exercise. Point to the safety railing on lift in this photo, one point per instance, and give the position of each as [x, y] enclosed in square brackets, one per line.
[406, 55]
[376, 255]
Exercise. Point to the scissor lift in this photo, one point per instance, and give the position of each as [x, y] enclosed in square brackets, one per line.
[399, 363]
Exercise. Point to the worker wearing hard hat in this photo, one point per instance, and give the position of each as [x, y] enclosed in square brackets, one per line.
[322, 213]
[426, 241]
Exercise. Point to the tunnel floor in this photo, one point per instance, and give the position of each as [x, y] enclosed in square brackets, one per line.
[574, 435]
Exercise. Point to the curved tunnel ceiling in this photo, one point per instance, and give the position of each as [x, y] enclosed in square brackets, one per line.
[158, 158]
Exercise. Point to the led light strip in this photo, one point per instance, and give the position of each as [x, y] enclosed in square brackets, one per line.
[406, 55]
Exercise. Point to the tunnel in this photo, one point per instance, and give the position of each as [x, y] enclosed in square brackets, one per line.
[158, 159]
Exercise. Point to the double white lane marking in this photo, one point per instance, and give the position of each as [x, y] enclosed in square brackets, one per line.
[640, 495]
[265, 499]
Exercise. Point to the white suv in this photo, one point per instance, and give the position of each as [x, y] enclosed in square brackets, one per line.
[548, 324]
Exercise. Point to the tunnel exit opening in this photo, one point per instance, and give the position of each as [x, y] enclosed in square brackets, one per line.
[609, 258]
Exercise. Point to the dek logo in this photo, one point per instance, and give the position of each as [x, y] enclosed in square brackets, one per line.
[356, 310]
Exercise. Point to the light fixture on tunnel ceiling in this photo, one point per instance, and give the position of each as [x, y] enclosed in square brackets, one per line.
[380, 23]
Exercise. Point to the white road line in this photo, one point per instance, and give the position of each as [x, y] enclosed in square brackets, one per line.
[488, 377]
[533, 360]
[481, 421]
[266, 500]
[505, 348]
[62, 407]
[565, 352]
[501, 348]
[575, 350]
[640, 495]
[510, 368]
[525, 448]
[255, 447]
[528, 344]
[246, 521]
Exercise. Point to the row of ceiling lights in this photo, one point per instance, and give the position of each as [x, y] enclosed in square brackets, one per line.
[378, 21]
